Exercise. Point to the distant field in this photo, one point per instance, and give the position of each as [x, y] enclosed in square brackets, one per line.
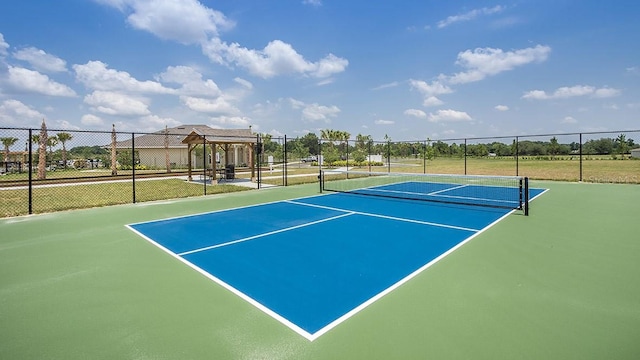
[597, 169]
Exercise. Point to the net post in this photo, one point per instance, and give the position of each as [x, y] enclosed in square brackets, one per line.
[321, 181]
[526, 196]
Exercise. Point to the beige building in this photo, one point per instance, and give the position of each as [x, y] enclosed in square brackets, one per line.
[232, 147]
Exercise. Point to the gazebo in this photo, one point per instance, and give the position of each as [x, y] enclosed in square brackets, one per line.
[225, 139]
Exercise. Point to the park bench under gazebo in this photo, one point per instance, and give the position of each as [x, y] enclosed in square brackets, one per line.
[228, 140]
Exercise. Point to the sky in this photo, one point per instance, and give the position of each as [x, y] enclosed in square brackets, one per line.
[409, 70]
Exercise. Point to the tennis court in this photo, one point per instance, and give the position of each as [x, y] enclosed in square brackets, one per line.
[313, 262]
[291, 273]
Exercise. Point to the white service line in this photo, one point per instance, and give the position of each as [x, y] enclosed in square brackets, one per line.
[263, 235]
[386, 217]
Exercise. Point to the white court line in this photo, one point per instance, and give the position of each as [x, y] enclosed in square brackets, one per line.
[233, 290]
[402, 281]
[439, 194]
[264, 234]
[386, 217]
[443, 190]
[286, 322]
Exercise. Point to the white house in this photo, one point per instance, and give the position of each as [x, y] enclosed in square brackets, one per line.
[635, 153]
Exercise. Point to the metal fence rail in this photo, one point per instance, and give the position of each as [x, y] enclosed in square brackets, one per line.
[73, 169]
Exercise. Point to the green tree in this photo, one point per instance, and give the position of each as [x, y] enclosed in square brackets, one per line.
[298, 149]
[554, 147]
[63, 137]
[52, 141]
[311, 142]
[623, 145]
[429, 151]
[7, 142]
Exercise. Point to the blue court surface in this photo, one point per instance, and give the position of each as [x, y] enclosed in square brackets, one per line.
[313, 262]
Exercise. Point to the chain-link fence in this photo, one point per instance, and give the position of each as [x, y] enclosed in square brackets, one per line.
[51, 170]
[612, 157]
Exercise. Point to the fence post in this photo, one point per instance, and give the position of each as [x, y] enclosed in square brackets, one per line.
[580, 157]
[259, 150]
[133, 165]
[204, 165]
[517, 156]
[284, 165]
[369, 151]
[424, 158]
[388, 155]
[465, 156]
[30, 171]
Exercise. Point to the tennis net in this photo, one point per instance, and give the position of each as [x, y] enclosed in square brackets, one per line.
[510, 192]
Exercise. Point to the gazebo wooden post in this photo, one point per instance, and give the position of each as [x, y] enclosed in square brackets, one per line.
[189, 150]
[214, 169]
[226, 154]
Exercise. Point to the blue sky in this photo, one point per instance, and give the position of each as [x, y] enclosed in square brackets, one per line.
[406, 69]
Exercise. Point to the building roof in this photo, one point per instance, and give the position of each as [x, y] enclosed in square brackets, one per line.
[219, 136]
[181, 135]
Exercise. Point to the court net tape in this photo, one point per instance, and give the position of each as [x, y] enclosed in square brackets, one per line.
[510, 192]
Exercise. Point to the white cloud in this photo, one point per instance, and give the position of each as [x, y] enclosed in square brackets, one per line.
[483, 62]
[16, 113]
[154, 122]
[35, 82]
[470, 15]
[191, 81]
[449, 116]
[572, 91]
[190, 22]
[432, 101]
[113, 103]
[312, 2]
[4, 46]
[316, 112]
[245, 83]
[384, 122]
[296, 104]
[184, 21]
[386, 86]
[569, 120]
[40, 60]
[416, 113]
[435, 88]
[277, 58]
[96, 76]
[235, 121]
[606, 92]
[218, 105]
[91, 120]
[501, 107]
[430, 91]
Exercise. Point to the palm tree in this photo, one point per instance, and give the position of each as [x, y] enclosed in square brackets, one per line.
[63, 137]
[42, 152]
[7, 142]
